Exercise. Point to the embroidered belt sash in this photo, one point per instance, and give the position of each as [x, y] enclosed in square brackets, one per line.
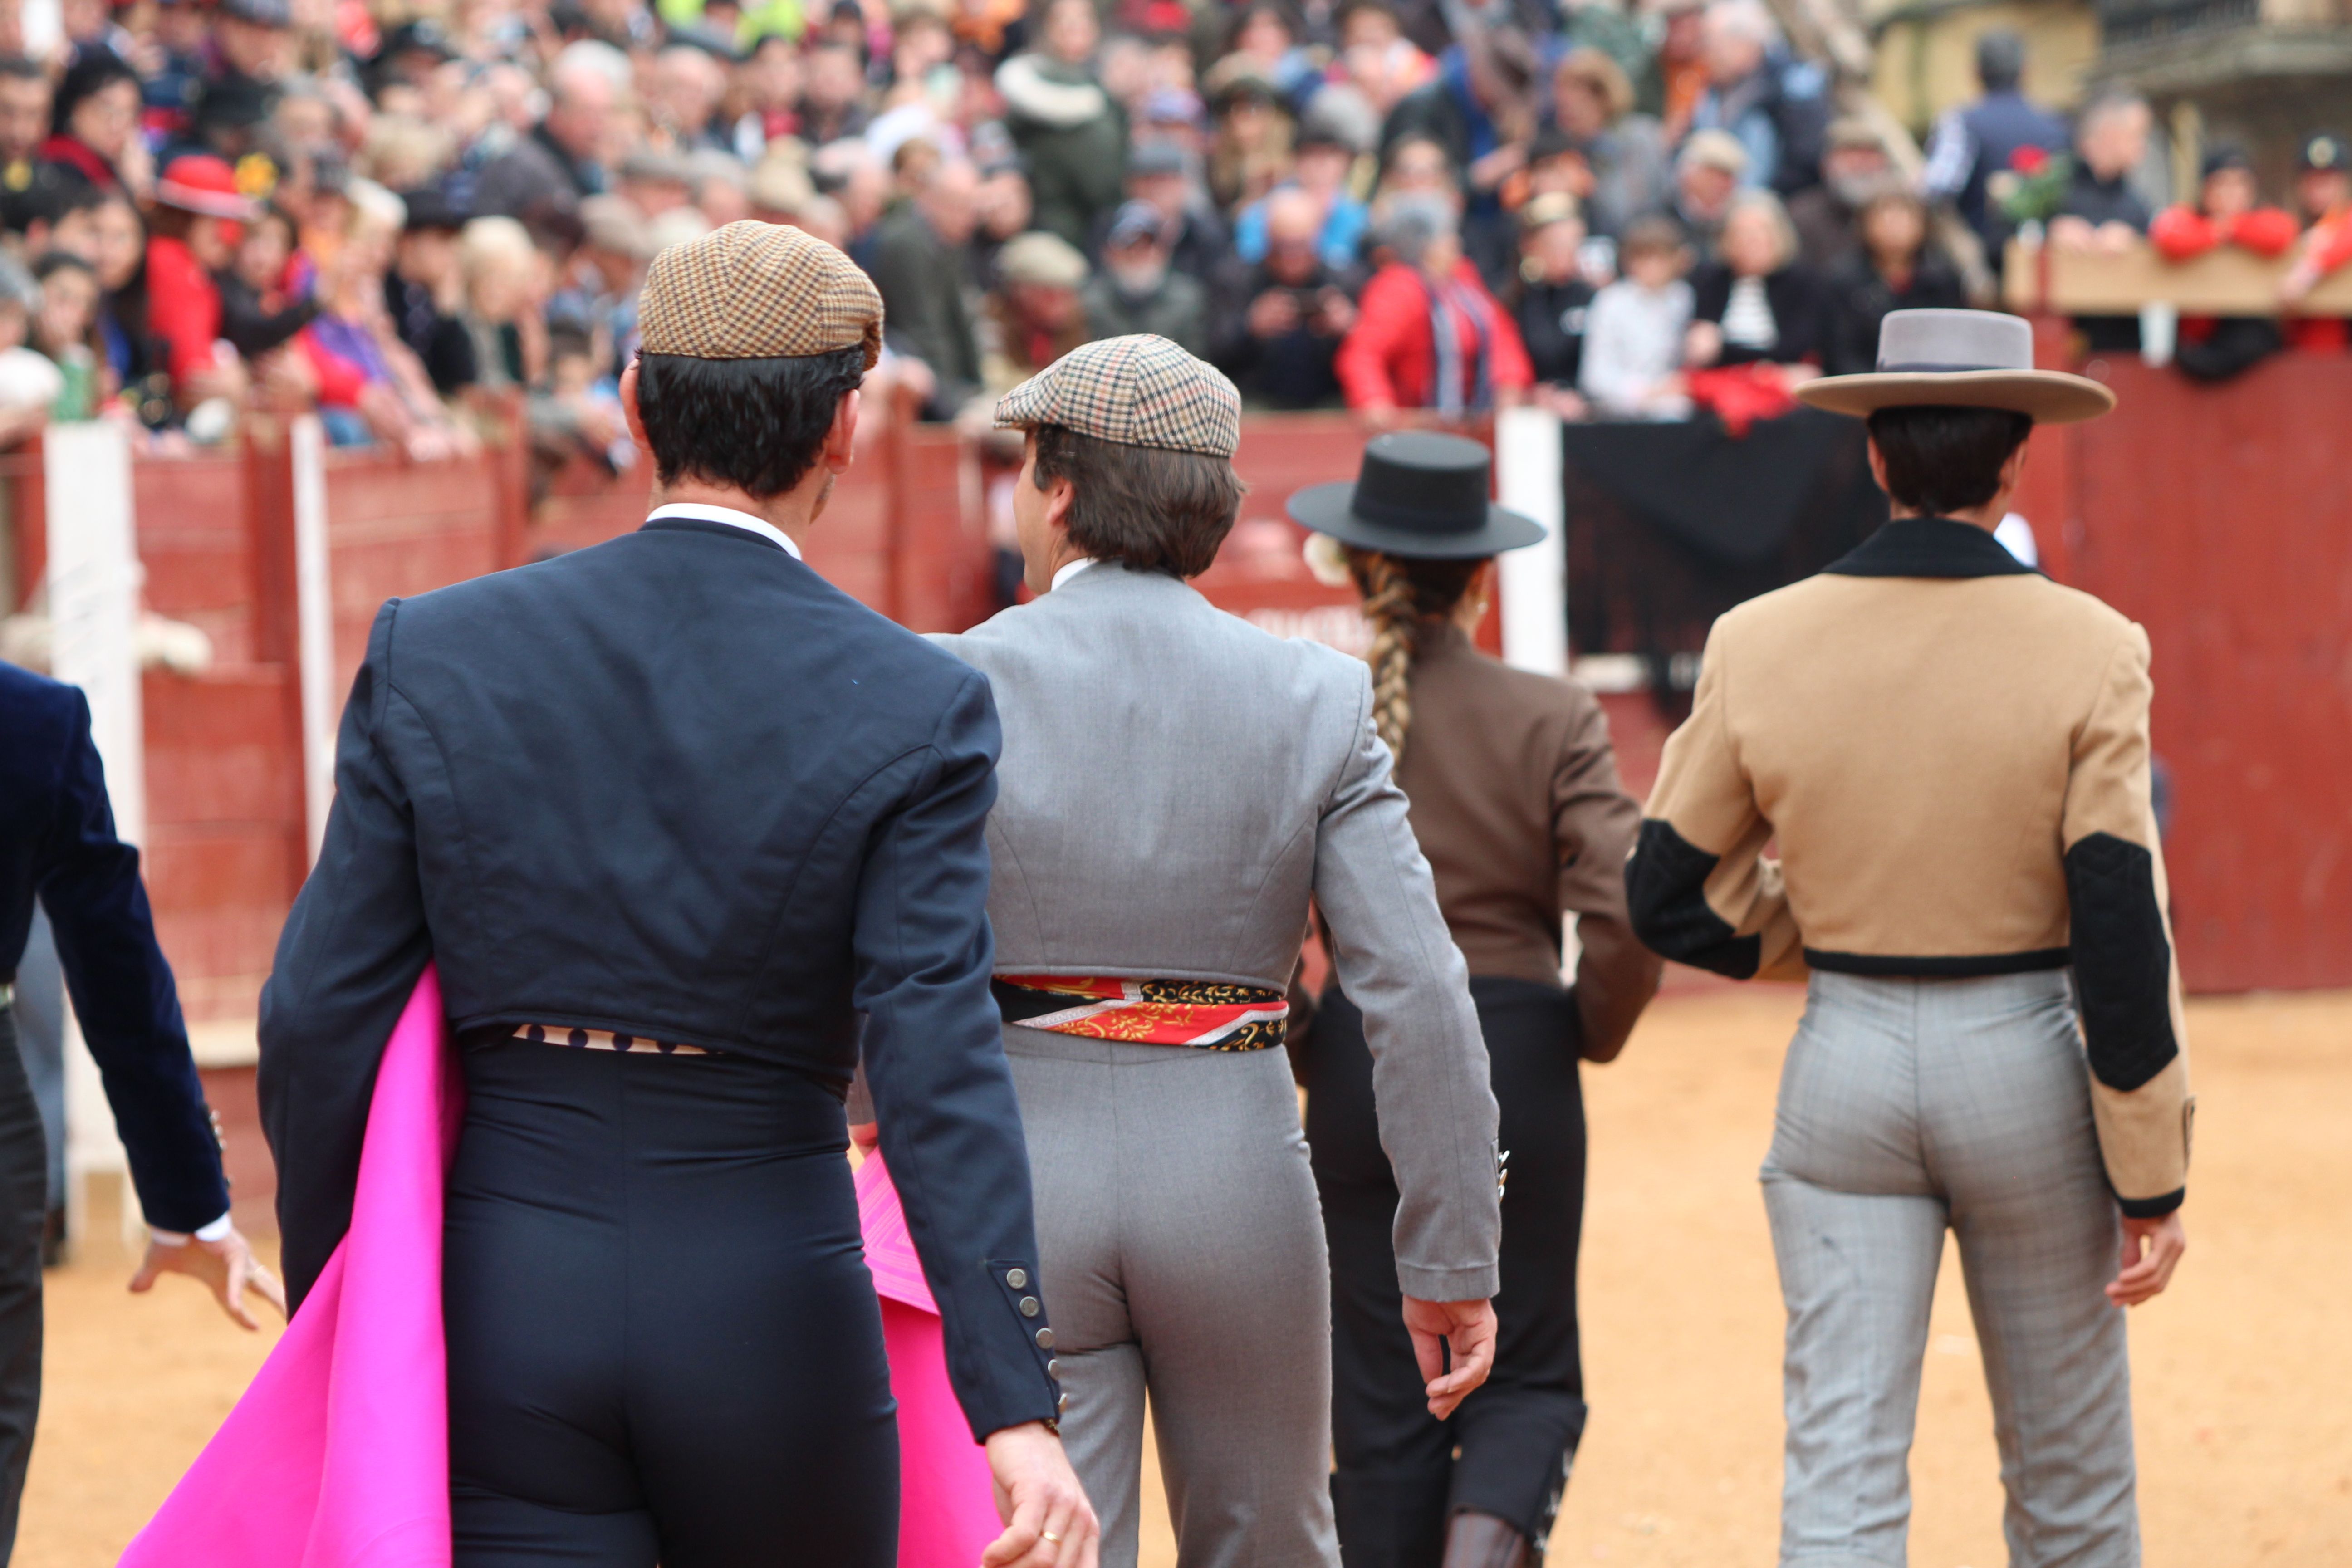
[1201, 1014]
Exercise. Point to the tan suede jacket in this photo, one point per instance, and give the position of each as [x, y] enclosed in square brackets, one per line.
[1952, 753]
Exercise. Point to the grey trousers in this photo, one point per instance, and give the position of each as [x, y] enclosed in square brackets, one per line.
[1184, 1256]
[1908, 1106]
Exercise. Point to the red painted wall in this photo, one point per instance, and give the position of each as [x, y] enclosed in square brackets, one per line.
[2220, 519]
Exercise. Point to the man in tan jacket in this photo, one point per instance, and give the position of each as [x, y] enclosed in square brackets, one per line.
[1952, 753]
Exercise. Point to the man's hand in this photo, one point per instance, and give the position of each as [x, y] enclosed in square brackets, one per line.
[1468, 1328]
[1273, 313]
[2152, 1249]
[1048, 1523]
[226, 1267]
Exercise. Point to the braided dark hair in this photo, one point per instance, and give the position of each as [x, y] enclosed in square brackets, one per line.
[1404, 598]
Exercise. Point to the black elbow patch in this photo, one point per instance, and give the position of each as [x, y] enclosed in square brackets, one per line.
[2123, 964]
[1665, 893]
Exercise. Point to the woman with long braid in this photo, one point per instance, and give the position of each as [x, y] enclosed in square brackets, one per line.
[1515, 801]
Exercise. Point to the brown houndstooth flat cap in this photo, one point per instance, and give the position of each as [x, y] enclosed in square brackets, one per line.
[1139, 391]
[758, 290]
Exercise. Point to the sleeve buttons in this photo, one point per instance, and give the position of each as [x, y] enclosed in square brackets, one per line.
[1030, 1306]
[1045, 1338]
[1016, 1278]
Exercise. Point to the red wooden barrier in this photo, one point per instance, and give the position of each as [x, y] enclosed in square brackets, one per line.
[2220, 519]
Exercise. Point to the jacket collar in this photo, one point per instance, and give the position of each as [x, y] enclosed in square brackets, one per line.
[1929, 547]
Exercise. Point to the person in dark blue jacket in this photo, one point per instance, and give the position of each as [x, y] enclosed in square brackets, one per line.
[57, 848]
[683, 827]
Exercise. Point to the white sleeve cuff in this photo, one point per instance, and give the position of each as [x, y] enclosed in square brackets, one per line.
[213, 1232]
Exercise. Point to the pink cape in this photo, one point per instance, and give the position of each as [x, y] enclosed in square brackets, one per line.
[947, 1501]
[338, 1456]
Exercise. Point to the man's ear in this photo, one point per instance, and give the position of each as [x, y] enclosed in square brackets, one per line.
[628, 394]
[841, 441]
[1877, 463]
[1059, 493]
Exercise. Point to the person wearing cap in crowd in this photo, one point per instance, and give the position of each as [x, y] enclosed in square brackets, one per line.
[919, 266]
[1550, 298]
[1194, 236]
[662, 1343]
[1515, 803]
[1278, 324]
[425, 289]
[1176, 786]
[1707, 175]
[94, 123]
[1975, 144]
[192, 234]
[2323, 191]
[1428, 334]
[252, 40]
[1138, 288]
[1036, 315]
[1855, 168]
[1952, 754]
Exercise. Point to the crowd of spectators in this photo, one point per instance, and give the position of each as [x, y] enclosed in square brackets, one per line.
[352, 207]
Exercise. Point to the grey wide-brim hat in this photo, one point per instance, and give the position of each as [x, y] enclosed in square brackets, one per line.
[1960, 359]
[1418, 495]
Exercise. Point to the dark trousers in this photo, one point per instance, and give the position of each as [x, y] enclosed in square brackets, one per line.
[663, 1343]
[1401, 1473]
[23, 1203]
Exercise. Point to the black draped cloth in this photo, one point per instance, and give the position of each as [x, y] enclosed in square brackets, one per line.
[1669, 525]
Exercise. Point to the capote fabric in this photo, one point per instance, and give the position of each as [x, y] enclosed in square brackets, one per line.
[946, 1498]
[338, 1456]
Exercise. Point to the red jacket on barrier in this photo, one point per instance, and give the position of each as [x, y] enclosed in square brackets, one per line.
[1390, 359]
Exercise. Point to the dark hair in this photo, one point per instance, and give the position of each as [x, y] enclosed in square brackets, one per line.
[754, 424]
[1941, 460]
[1147, 507]
[1405, 597]
[53, 262]
[93, 73]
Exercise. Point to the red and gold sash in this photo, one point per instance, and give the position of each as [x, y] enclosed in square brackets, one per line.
[1203, 1014]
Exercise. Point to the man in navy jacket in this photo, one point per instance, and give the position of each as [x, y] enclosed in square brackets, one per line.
[680, 825]
[57, 846]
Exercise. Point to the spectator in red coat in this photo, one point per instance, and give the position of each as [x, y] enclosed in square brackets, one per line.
[2323, 189]
[2229, 211]
[194, 232]
[1428, 334]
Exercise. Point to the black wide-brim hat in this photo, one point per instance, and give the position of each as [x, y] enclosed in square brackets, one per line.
[1418, 495]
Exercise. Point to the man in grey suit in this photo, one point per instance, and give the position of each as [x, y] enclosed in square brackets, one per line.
[1175, 786]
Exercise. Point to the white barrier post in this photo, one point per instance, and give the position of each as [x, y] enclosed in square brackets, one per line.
[93, 581]
[314, 619]
[1534, 587]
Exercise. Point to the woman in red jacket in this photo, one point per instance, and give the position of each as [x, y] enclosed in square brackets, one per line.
[192, 234]
[1428, 334]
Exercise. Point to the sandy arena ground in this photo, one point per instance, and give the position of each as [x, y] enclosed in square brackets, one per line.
[2246, 1433]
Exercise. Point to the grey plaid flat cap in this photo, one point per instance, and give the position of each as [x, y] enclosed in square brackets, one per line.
[758, 290]
[1139, 391]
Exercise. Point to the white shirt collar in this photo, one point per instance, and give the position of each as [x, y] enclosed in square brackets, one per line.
[1069, 570]
[732, 519]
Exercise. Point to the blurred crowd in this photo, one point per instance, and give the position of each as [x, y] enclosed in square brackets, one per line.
[346, 207]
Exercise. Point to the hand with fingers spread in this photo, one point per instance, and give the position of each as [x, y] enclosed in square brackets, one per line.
[2152, 1249]
[1048, 1523]
[226, 1267]
[1466, 1329]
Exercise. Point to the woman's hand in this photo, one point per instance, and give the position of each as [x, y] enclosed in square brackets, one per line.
[2152, 1249]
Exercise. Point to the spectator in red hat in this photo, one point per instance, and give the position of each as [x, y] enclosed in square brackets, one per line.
[198, 219]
